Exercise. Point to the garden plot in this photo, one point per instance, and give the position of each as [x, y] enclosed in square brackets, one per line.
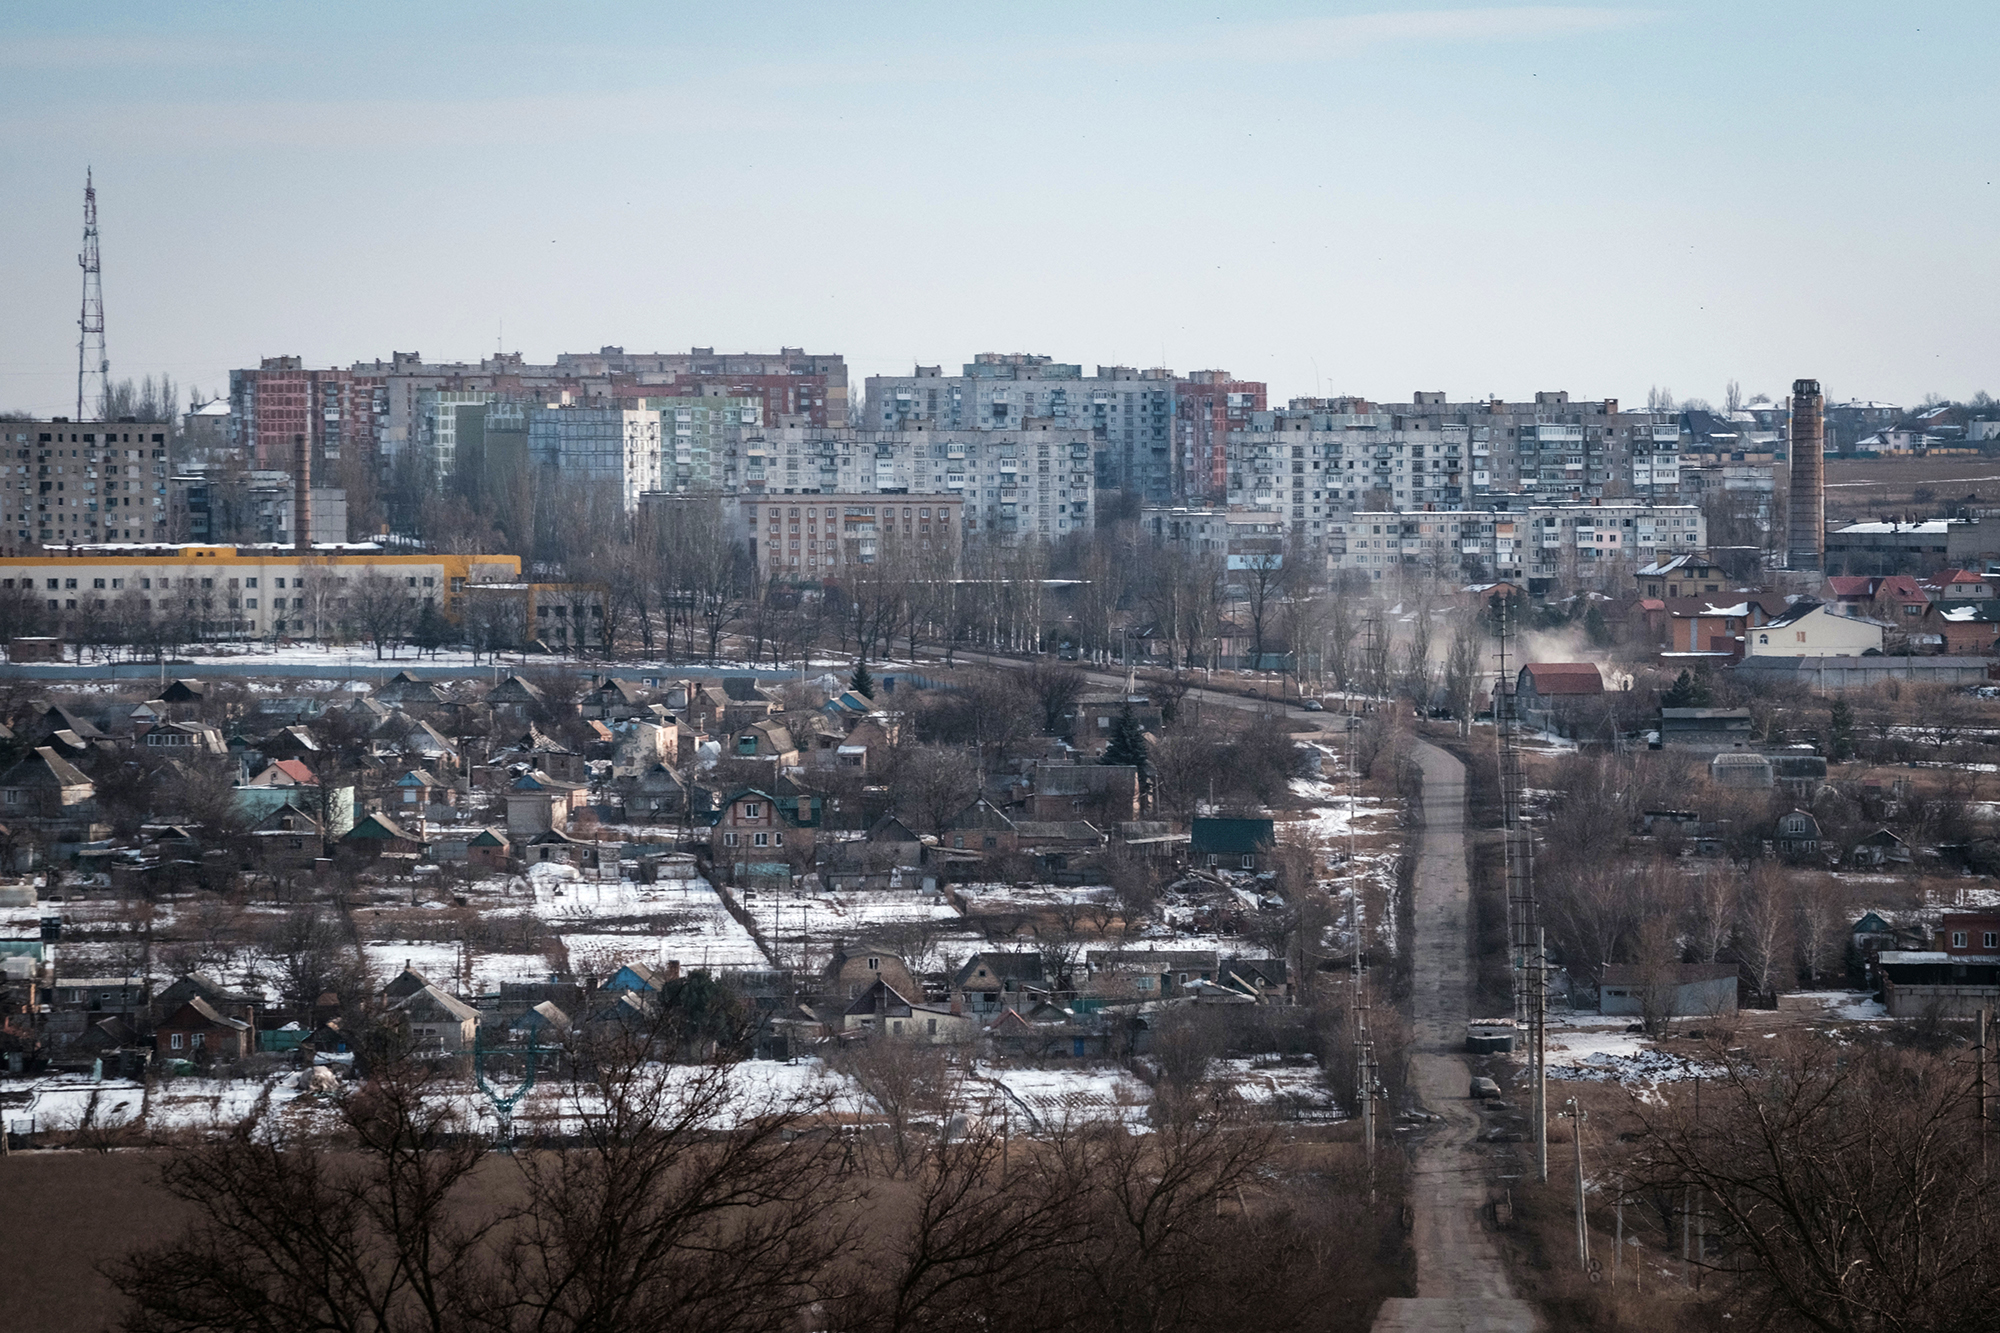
[1590, 1049]
[1068, 1095]
[1278, 1089]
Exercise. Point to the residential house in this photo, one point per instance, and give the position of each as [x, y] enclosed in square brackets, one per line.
[765, 740]
[489, 849]
[1236, 844]
[1545, 684]
[1956, 977]
[1129, 975]
[757, 836]
[1894, 598]
[236, 1004]
[288, 782]
[1958, 585]
[544, 755]
[1062, 848]
[120, 994]
[435, 1022]
[748, 703]
[992, 981]
[198, 1031]
[1810, 629]
[417, 791]
[981, 828]
[377, 835]
[1797, 834]
[1104, 794]
[192, 738]
[404, 690]
[658, 793]
[1698, 625]
[287, 838]
[1963, 629]
[613, 700]
[857, 965]
[885, 1010]
[43, 793]
[1672, 990]
[1689, 575]
[515, 698]
[537, 803]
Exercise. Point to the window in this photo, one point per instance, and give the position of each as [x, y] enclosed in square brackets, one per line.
[760, 840]
[1249, 861]
[874, 964]
[752, 809]
[177, 1040]
[729, 840]
[1990, 940]
[1958, 939]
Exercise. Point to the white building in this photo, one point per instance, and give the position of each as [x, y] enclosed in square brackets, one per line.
[1813, 629]
[1570, 542]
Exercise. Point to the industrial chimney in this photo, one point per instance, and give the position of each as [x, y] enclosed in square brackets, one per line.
[302, 499]
[1805, 526]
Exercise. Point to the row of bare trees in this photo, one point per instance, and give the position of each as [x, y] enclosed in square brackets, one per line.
[692, 1197]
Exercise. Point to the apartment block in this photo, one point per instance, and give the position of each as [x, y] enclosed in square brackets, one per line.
[1038, 479]
[382, 407]
[1131, 415]
[814, 536]
[65, 482]
[599, 446]
[1584, 543]
[694, 435]
[1208, 406]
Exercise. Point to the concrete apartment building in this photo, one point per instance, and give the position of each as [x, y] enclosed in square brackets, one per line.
[616, 446]
[813, 536]
[1137, 421]
[82, 481]
[379, 408]
[1038, 479]
[1584, 543]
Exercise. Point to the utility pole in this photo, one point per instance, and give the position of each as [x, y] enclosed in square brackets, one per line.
[1576, 1115]
[1365, 1073]
[1980, 1055]
[90, 355]
[1525, 936]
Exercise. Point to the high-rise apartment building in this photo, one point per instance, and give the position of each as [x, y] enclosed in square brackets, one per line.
[812, 536]
[380, 408]
[64, 483]
[1037, 480]
[1571, 543]
[1130, 414]
[1208, 405]
[599, 446]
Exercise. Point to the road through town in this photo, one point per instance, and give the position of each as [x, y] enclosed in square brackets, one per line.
[1461, 1279]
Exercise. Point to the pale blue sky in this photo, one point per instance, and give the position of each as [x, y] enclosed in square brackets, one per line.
[1356, 198]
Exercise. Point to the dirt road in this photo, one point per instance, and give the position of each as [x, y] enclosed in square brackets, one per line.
[1461, 1281]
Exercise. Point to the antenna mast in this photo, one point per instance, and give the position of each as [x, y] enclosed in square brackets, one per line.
[90, 356]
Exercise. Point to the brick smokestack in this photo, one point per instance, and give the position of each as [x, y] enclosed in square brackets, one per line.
[1805, 523]
[302, 523]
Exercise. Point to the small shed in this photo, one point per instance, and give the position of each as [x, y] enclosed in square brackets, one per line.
[1243, 844]
[1736, 769]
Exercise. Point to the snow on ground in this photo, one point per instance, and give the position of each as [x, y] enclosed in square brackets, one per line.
[997, 897]
[440, 963]
[1071, 1093]
[1329, 818]
[1598, 1049]
[1290, 1091]
[1847, 1006]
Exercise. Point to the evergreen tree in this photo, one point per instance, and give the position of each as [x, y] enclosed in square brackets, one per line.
[1594, 626]
[1689, 691]
[432, 631]
[1128, 742]
[861, 682]
[1841, 727]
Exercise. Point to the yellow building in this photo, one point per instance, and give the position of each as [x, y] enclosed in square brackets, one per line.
[245, 590]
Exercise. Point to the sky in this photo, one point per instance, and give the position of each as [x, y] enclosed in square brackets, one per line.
[1358, 199]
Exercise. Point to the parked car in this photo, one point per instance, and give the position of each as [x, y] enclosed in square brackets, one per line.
[1313, 706]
